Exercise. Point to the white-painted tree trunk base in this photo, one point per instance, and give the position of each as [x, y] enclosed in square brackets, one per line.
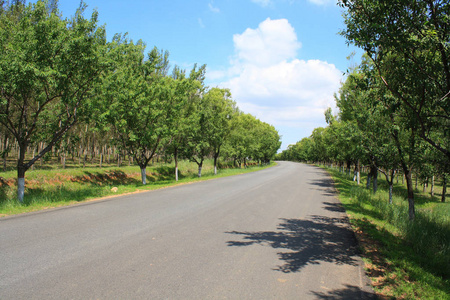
[144, 176]
[20, 189]
[215, 170]
[176, 173]
[199, 171]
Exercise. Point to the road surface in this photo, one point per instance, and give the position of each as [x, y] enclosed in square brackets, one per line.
[278, 233]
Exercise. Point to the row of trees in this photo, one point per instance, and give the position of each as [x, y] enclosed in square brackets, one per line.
[60, 79]
[395, 106]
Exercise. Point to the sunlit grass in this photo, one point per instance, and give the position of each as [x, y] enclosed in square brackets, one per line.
[59, 187]
[407, 260]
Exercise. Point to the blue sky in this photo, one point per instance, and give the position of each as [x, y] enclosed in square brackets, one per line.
[282, 59]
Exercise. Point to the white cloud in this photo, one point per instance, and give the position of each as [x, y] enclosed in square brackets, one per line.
[213, 8]
[286, 84]
[273, 41]
[268, 80]
[294, 116]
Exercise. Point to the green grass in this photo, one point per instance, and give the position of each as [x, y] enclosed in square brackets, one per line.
[406, 260]
[51, 187]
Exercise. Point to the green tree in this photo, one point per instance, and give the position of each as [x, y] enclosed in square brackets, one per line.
[181, 117]
[221, 109]
[358, 102]
[134, 98]
[241, 142]
[408, 44]
[48, 67]
[268, 141]
[319, 146]
[198, 146]
[302, 151]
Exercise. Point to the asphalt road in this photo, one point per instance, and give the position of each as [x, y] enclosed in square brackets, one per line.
[278, 233]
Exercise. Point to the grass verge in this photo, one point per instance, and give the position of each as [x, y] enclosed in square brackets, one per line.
[405, 260]
[61, 187]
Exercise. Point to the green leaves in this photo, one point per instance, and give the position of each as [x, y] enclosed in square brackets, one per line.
[57, 72]
[408, 43]
[47, 67]
[135, 96]
[251, 138]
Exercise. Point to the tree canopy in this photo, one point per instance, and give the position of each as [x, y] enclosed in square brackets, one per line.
[48, 67]
[63, 86]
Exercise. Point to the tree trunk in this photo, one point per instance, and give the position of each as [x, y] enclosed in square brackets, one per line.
[215, 164]
[63, 159]
[143, 175]
[444, 187]
[20, 184]
[41, 146]
[432, 186]
[200, 169]
[409, 185]
[390, 192]
[368, 180]
[375, 180]
[358, 172]
[4, 162]
[175, 156]
[92, 149]
[21, 169]
[84, 158]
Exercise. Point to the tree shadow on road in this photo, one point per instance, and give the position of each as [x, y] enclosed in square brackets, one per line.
[325, 185]
[303, 242]
[334, 207]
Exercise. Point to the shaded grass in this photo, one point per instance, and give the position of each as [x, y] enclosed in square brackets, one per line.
[59, 187]
[406, 260]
